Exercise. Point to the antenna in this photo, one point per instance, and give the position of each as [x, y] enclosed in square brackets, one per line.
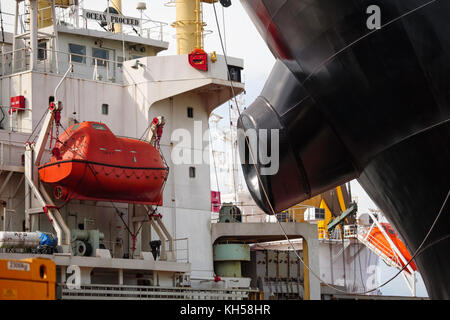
[141, 7]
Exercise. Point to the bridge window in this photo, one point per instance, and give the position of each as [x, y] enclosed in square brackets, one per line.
[102, 54]
[78, 53]
[42, 50]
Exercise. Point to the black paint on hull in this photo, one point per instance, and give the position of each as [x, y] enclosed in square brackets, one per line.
[357, 103]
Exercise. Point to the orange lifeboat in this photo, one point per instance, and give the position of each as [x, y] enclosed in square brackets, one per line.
[377, 238]
[90, 163]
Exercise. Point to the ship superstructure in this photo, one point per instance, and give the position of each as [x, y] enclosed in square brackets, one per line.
[106, 74]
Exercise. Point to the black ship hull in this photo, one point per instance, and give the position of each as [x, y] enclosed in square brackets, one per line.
[351, 102]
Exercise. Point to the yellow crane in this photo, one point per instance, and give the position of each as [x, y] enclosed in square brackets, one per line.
[334, 202]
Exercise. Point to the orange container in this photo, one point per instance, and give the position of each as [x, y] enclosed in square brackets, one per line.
[27, 279]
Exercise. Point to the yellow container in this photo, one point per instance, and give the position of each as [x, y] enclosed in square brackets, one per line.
[27, 279]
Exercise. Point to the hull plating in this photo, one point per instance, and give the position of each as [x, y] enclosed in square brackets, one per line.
[357, 103]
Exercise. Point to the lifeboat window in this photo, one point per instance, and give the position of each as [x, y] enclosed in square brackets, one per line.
[99, 126]
[75, 127]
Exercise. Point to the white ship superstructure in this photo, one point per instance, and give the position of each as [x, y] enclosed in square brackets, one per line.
[103, 85]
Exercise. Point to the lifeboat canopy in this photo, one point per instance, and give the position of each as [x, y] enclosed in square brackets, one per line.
[89, 162]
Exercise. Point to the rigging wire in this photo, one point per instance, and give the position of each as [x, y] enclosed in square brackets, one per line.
[268, 199]
[37, 125]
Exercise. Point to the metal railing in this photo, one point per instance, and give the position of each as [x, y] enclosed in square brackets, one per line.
[291, 215]
[385, 252]
[14, 61]
[111, 292]
[151, 29]
[350, 231]
[254, 218]
[84, 66]
[13, 120]
[111, 246]
[180, 249]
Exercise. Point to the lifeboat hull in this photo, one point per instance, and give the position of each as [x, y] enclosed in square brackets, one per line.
[94, 164]
[85, 180]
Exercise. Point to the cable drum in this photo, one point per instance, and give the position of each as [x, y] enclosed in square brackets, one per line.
[81, 248]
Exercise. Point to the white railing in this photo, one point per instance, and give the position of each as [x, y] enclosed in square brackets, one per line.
[14, 61]
[111, 292]
[112, 246]
[257, 218]
[350, 231]
[90, 67]
[386, 253]
[180, 249]
[12, 121]
[151, 29]
[69, 18]
[11, 154]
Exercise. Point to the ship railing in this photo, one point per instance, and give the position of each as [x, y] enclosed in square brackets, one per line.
[84, 66]
[150, 29]
[254, 218]
[11, 153]
[112, 247]
[335, 234]
[14, 120]
[384, 251]
[350, 231]
[111, 292]
[291, 215]
[53, 61]
[323, 234]
[180, 251]
[14, 61]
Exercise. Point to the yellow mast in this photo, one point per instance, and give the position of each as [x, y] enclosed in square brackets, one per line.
[117, 4]
[189, 25]
[45, 11]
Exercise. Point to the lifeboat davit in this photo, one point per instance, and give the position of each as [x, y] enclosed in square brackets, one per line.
[90, 163]
[377, 238]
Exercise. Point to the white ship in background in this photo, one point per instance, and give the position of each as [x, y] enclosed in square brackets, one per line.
[103, 67]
